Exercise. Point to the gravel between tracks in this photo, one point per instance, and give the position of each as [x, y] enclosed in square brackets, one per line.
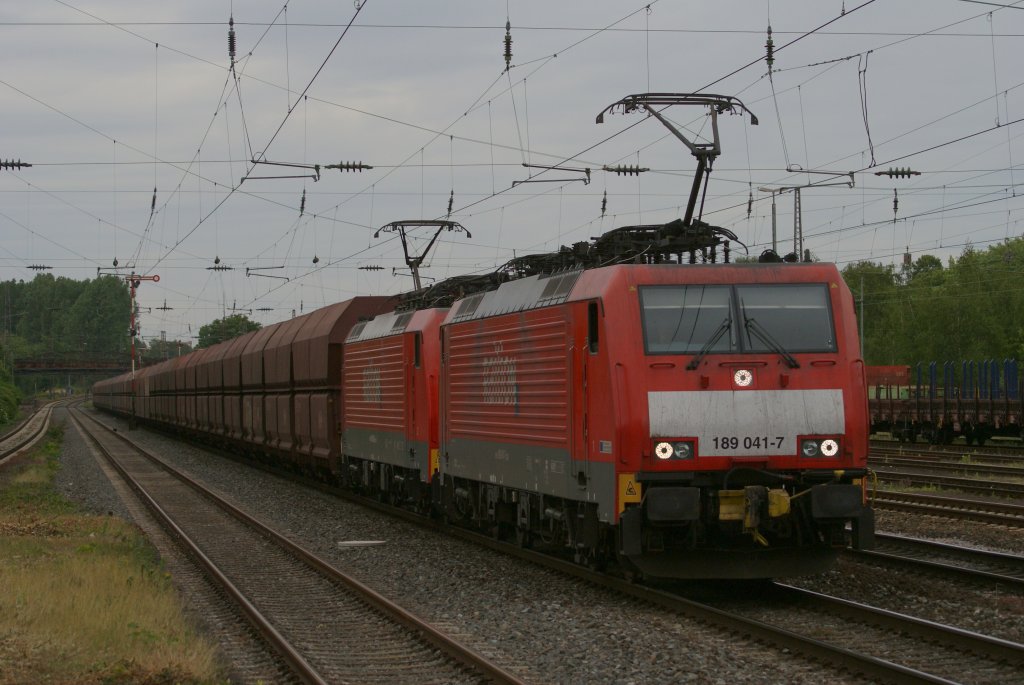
[535, 622]
[80, 477]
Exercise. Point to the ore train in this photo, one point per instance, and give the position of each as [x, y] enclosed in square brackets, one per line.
[689, 420]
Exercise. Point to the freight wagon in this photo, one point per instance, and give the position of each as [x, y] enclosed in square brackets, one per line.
[974, 400]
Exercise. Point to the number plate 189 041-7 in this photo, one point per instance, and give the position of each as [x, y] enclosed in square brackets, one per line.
[773, 444]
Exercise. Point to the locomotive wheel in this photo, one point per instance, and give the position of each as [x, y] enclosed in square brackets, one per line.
[590, 559]
[633, 576]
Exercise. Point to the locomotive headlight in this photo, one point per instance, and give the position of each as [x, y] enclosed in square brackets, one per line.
[829, 448]
[677, 449]
[810, 448]
[743, 377]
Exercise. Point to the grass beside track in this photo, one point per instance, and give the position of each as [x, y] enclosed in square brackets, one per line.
[83, 598]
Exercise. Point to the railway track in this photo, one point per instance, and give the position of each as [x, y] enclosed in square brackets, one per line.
[844, 634]
[912, 660]
[952, 507]
[325, 625]
[914, 554]
[965, 455]
[28, 432]
[917, 650]
[938, 465]
[989, 451]
[881, 645]
[990, 488]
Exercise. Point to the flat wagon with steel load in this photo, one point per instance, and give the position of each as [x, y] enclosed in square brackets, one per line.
[977, 401]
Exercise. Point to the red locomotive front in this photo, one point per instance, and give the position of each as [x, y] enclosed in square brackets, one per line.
[697, 421]
[752, 443]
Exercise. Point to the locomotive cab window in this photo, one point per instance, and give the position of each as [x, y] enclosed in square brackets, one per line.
[684, 319]
[796, 316]
[722, 319]
[592, 328]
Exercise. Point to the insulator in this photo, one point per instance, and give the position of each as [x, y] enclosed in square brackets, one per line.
[750, 204]
[895, 204]
[302, 203]
[604, 203]
[508, 45]
[348, 166]
[152, 205]
[11, 164]
[231, 39]
[625, 169]
[770, 49]
[898, 172]
[451, 200]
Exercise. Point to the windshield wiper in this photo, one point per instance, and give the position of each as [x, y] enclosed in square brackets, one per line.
[764, 336]
[722, 328]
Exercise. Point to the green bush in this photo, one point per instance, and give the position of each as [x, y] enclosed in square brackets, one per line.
[9, 399]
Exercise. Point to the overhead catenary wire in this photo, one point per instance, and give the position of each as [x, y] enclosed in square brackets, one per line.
[493, 206]
[233, 189]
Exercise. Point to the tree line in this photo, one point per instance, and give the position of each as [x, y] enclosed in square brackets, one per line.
[62, 319]
[971, 308]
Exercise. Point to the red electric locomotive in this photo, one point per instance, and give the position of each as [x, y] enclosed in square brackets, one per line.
[390, 413]
[699, 421]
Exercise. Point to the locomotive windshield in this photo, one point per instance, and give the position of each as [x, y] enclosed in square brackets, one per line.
[798, 316]
[786, 318]
[683, 319]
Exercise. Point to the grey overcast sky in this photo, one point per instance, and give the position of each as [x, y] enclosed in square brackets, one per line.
[109, 99]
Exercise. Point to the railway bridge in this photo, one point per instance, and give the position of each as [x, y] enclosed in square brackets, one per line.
[70, 365]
